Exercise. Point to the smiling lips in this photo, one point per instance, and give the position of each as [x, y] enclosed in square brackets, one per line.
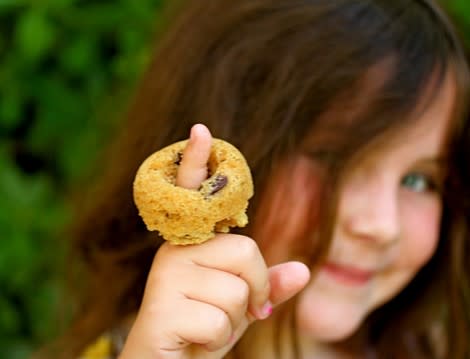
[348, 275]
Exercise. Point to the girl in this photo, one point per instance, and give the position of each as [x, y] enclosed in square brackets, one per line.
[351, 116]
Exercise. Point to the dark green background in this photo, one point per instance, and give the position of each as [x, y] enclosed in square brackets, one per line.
[67, 68]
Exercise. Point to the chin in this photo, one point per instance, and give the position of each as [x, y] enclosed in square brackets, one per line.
[328, 332]
[327, 322]
[337, 334]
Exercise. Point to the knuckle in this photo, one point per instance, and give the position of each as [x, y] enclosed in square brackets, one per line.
[164, 248]
[240, 294]
[163, 255]
[220, 325]
[247, 248]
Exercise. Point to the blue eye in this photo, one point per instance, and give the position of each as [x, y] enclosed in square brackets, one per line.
[418, 182]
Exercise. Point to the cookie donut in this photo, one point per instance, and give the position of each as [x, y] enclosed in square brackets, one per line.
[187, 216]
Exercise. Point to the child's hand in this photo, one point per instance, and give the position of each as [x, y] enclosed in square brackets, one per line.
[200, 299]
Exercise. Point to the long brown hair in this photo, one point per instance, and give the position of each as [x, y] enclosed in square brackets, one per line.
[264, 74]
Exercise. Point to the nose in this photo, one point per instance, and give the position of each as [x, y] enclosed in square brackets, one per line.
[370, 211]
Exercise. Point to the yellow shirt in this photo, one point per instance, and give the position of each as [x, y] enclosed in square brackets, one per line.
[111, 343]
[102, 348]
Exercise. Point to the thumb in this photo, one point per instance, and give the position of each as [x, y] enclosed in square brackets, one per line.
[192, 170]
[286, 280]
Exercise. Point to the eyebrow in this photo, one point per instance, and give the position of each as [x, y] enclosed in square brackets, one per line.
[438, 160]
[439, 164]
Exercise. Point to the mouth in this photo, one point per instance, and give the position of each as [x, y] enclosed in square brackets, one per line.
[349, 275]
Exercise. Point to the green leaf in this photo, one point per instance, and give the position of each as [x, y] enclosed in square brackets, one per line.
[62, 5]
[8, 317]
[10, 109]
[62, 111]
[96, 17]
[44, 305]
[16, 349]
[79, 55]
[34, 35]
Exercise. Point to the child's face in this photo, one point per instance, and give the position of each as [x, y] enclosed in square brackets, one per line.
[387, 228]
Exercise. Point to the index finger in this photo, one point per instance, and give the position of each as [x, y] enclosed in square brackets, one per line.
[192, 170]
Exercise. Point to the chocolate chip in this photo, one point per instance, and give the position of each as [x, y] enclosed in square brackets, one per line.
[179, 157]
[219, 182]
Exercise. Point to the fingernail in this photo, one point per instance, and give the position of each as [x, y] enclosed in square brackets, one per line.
[195, 131]
[267, 310]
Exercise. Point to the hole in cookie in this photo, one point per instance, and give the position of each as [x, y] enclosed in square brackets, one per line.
[178, 159]
[212, 164]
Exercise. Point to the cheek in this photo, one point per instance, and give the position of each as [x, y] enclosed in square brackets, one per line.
[420, 231]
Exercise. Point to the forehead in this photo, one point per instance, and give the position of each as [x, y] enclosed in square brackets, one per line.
[432, 124]
[355, 130]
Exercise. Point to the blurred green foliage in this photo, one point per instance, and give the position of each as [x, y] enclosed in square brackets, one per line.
[460, 12]
[66, 69]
